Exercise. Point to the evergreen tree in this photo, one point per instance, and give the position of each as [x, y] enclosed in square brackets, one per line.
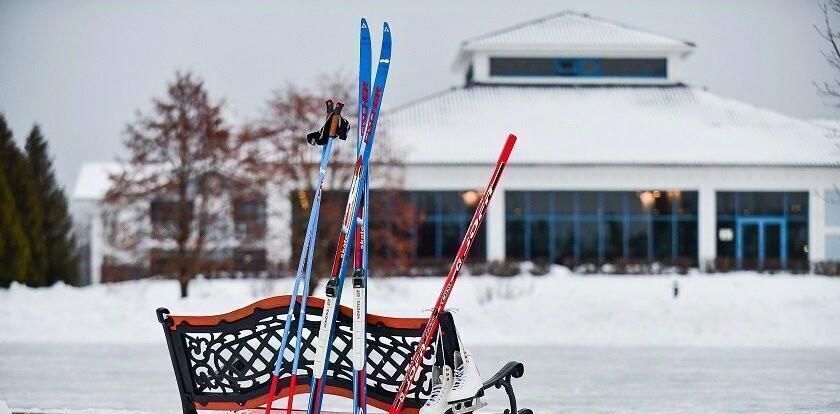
[15, 258]
[61, 256]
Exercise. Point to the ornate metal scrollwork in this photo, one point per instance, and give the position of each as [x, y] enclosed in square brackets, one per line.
[232, 361]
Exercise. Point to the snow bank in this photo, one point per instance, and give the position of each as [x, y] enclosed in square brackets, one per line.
[739, 309]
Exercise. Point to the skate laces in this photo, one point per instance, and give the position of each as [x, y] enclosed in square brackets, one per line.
[437, 394]
[459, 375]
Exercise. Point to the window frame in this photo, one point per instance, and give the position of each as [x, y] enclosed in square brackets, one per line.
[598, 215]
[578, 67]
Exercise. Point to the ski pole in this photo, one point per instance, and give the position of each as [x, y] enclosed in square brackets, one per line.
[332, 126]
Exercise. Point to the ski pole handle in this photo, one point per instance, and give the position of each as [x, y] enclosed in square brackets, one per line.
[335, 120]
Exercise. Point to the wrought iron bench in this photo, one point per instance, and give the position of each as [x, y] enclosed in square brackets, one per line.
[224, 362]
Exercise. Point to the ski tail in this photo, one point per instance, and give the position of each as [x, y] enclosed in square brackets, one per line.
[454, 271]
[348, 226]
[360, 241]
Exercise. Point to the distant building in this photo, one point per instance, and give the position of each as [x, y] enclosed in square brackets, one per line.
[618, 160]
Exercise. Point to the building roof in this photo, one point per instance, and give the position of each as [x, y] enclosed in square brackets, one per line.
[605, 125]
[572, 31]
[651, 125]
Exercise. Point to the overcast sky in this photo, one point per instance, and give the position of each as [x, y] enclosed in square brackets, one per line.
[81, 69]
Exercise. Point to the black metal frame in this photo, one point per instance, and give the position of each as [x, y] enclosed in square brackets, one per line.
[512, 369]
[231, 361]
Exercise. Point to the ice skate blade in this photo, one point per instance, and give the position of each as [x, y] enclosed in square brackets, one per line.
[461, 407]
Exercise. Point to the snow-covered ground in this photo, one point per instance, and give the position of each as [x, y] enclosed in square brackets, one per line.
[138, 379]
[738, 309]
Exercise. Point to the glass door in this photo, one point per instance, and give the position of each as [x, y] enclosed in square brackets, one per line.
[772, 259]
[760, 243]
[748, 243]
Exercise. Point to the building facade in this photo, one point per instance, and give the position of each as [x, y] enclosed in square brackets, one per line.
[618, 160]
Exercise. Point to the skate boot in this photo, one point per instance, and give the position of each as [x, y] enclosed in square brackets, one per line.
[466, 389]
[441, 385]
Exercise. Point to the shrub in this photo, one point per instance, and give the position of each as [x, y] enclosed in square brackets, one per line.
[827, 268]
[477, 269]
[503, 268]
[540, 268]
[586, 268]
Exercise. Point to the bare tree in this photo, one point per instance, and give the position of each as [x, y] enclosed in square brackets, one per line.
[831, 90]
[279, 152]
[173, 199]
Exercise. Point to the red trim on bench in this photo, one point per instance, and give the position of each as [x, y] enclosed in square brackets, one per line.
[283, 301]
[259, 402]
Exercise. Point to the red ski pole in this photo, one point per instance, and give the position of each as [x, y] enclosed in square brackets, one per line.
[454, 270]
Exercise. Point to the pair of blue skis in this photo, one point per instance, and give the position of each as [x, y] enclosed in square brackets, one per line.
[358, 189]
[360, 250]
[356, 214]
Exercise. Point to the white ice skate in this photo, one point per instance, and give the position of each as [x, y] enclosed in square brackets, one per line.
[441, 385]
[466, 389]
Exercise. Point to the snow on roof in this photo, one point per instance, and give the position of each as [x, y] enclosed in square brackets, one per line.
[92, 182]
[604, 125]
[585, 125]
[570, 30]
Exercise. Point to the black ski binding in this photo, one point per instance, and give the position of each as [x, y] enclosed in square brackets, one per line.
[359, 279]
[336, 126]
[331, 287]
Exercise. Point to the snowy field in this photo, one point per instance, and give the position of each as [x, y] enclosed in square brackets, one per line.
[734, 310]
[138, 379]
[590, 344]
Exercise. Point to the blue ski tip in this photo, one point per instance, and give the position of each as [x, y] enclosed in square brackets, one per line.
[386, 27]
[364, 23]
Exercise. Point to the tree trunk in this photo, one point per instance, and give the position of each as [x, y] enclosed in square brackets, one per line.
[183, 283]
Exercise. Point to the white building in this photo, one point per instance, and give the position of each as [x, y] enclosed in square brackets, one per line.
[618, 160]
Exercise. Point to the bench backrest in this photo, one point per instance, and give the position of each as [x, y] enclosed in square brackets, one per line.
[224, 362]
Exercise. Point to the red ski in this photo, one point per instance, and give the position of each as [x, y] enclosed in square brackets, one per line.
[454, 271]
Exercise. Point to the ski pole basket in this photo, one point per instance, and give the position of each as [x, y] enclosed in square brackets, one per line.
[224, 362]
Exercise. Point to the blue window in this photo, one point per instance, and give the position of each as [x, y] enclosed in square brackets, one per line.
[579, 67]
[406, 227]
[832, 247]
[440, 222]
[763, 230]
[571, 227]
[832, 207]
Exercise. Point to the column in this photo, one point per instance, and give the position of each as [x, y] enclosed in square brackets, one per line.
[496, 226]
[707, 222]
[97, 238]
[279, 224]
[816, 224]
